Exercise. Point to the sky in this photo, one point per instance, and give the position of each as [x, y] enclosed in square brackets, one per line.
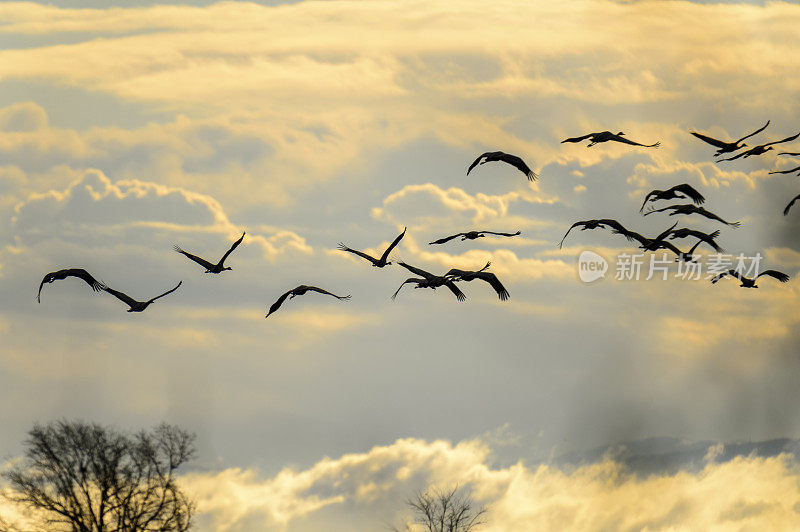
[128, 129]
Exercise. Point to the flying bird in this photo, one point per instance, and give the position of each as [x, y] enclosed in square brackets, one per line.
[212, 268]
[786, 210]
[299, 291]
[593, 224]
[795, 169]
[513, 160]
[751, 283]
[650, 244]
[605, 136]
[688, 208]
[137, 306]
[80, 273]
[381, 262]
[465, 275]
[708, 238]
[682, 191]
[761, 148]
[429, 280]
[471, 235]
[726, 147]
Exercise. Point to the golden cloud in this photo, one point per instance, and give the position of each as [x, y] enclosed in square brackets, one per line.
[353, 490]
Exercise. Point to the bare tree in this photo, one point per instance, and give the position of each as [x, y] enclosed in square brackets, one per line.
[83, 477]
[442, 510]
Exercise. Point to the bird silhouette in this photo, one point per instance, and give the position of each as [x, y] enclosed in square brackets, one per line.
[211, 268]
[137, 306]
[760, 149]
[727, 147]
[688, 208]
[751, 283]
[795, 169]
[80, 273]
[299, 291]
[513, 160]
[650, 244]
[429, 280]
[786, 210]
[471, 235]
[467, 276]
[708, 238]
[378, 263]
[682, 191]
[605, 136]
[605, 223]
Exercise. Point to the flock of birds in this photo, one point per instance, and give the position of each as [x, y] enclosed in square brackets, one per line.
[453, 276]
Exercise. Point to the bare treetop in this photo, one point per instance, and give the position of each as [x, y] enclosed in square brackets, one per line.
[443, 510]
[85, 477]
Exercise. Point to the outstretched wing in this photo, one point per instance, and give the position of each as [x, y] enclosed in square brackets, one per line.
[742, 154]
[125, 298]
[445, 239]
[789, 153]
[753, 133]
[393, 244]
[647, 198]
[409, 280]
[710, 215]
[622, 139]
[519, 164]
[225, 256]
[690, 192]
[460, 274]
[787, 139]
[495, 283]
[577, 139]
[612, 224]
[501, 234]
[80, 273]
[41, 285]
[711, 140]
[167, 292]
[453, 288]
[571, 227]
[795, 169]
[323, 291]
[782, 277]
[630, 235]
[275, 306]
[415, 270]
[786, 210]
[356, 252]
[198, 260]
